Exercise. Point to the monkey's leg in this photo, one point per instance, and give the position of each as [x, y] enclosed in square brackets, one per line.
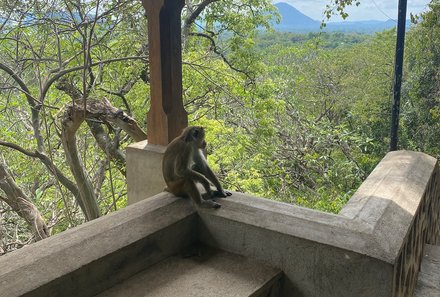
[219, 193]
[198, 177]
[193, 192]
[207, 196]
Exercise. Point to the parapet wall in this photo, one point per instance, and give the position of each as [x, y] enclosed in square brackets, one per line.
[372, 248]
[90, 258]
[400, 200]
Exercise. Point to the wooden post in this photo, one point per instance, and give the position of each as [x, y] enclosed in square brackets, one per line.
[166, 117]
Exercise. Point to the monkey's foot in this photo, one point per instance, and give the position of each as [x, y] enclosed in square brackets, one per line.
[210, 204]
[221, 194]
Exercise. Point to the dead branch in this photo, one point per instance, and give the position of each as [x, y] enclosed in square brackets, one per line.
[110, 148]
[49, 165]
[104, 111]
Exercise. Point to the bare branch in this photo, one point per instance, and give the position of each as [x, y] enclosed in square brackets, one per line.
[215, 49]
[193, 16]
[34, 103]
[49, 165]
[54, 78]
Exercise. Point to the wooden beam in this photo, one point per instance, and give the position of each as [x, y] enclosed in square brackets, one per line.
[166, 117]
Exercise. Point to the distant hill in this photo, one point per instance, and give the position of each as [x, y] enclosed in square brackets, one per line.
[292, 20]
[362, 26]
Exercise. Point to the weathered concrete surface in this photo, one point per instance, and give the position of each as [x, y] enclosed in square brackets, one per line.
[355, 253]
[207, 273]
[388, 199]
[144, 171]
[428, 284]
[371, 249]
[313, 249]
[400, 202]
[87, 259]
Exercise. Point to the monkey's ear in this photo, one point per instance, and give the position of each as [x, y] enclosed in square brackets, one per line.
[189, 134]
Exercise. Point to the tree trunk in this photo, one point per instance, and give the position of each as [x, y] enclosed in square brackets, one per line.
[73, 117]
[21, 204]
[71, 121]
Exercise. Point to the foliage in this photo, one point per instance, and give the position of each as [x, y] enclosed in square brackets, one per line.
[325, 40]
[296, 118]
[421, 90]
[337, 7]
[304, 133]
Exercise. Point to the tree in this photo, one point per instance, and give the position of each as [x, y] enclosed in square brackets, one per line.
[57, 57]
[421, 89]
[74, 92]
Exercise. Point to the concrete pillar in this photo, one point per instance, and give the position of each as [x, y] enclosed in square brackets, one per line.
[144, 171]
[167, 116]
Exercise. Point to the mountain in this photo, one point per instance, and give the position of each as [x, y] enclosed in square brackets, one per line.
[292, 20]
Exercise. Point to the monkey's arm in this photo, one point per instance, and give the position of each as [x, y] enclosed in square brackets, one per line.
[201, 166]
[220, 192]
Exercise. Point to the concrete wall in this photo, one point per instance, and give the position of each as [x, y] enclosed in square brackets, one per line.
[314, 250]
[371, 249]
[85, 260]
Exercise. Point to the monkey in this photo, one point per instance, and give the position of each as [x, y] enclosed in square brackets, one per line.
[184, 164]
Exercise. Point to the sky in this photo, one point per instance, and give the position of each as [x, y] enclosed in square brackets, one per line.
[368, 10]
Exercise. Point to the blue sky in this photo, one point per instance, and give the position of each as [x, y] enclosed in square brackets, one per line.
[368, 10]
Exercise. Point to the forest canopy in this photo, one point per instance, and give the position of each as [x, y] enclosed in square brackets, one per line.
[296, 118]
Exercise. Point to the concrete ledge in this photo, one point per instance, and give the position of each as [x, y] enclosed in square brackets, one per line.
[87, 259]
[388, 200]
[320, 254]
[372, 248]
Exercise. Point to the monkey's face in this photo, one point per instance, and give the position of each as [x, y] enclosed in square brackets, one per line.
[199, 137]
[203, 145]
[195, 135]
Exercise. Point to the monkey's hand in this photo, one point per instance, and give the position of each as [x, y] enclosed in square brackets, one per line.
[221, 193]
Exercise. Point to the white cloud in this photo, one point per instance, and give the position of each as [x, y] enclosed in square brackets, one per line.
[368, 10]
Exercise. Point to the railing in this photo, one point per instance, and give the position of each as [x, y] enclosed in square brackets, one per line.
[372, 248]
[424, 229]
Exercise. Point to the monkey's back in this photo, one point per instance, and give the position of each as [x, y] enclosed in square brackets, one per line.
[176, 160]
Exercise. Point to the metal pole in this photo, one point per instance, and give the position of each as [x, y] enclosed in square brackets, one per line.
[398, 65]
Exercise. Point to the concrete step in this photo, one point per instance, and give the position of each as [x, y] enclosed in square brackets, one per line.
[202, 273]
[428, 284]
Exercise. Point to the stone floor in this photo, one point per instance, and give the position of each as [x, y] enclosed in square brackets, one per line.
[429, 276]
[201, 272]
